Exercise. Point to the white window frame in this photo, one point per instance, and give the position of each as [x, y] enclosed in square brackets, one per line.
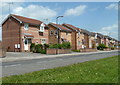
[55, 32]
[43, 42]
[26, 26]
[42, 27]
[52, 32]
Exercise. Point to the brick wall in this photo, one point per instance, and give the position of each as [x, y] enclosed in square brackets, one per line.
[73, 40]
[52, 38]
[79, 40]
[10, 34]
[34, 30]
[92, 43]
[59, 51]
[86, 37]
[66, 36]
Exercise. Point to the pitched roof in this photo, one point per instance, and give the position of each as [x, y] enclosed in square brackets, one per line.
[100, 35]
[73, 27]
[93, 33]
[27, 20]
[85, 31]
[22, 19]
[62, 28]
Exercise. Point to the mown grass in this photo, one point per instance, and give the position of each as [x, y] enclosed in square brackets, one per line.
[97, 71]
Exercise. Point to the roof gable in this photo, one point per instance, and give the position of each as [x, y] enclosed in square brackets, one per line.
[22, 19]
[62, 28]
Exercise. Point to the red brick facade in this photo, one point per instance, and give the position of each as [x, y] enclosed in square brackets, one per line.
[14, 34]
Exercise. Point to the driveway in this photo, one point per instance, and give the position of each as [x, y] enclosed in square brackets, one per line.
[25, 66]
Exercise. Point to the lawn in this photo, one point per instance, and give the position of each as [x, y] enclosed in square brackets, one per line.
[97, 71]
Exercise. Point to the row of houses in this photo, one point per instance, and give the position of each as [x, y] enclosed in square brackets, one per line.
[19, 32]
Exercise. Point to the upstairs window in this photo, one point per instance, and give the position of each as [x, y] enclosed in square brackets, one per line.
[43, 41]
[56, 32]
[51, 32]
[26, 26]
[42, 26]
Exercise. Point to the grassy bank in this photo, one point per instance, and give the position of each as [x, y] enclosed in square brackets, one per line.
[97, 71]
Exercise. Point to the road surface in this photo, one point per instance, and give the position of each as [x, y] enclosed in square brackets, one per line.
[25, 66]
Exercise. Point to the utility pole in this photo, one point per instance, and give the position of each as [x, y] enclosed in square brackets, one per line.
[58, 31]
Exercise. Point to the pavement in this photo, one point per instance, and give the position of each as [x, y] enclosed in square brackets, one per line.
[18, 67]
[16, 56]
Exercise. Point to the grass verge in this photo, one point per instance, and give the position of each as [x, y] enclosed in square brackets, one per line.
[97, 71]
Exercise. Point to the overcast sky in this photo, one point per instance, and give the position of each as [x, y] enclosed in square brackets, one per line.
[94, 16]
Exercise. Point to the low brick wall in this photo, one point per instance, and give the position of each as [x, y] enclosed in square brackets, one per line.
[88, 50]
[2, 53]
[51, 51]
[107, 49]
[64, 51]
[60, 51]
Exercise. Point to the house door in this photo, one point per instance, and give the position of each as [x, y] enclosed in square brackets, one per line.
[26, 44]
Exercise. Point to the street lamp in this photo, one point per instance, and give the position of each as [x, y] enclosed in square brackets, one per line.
[58, 31]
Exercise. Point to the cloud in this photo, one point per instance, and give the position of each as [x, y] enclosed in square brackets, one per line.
[75, 11]
[31, 11]
[112, 30]
[112, 6]
[35, 11]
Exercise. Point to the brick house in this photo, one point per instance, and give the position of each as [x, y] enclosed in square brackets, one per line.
[19, 32]
[77, 37]
[100, 39]
[64, 33]
[86, 37]
[92, 40]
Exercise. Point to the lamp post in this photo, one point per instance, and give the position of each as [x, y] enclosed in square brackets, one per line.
[58, 32]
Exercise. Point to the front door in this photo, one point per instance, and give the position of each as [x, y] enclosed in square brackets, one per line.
[26, 44]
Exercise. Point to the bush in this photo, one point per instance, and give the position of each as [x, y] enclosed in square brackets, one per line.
[43, 51]
[76, 50]
[55, 46]
[32, 47]
[112, 48]
[38, 48]
[66, 45]
[46, 46]
[101, 47]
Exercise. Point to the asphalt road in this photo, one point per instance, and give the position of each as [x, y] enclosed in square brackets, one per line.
[25, 66]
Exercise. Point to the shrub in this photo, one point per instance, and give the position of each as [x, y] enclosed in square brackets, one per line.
[112, 48]
[43, 51]
[55, 46]
[38, 48]
[102, 47]
[66, 45]
[32, 47]
[76, 50]
[46, 46]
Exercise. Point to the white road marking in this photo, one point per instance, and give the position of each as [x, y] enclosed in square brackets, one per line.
[12, 65]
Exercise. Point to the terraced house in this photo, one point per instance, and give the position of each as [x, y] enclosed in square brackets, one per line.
[64, 34]
[19, 32]
[92, 40]
[77, 39]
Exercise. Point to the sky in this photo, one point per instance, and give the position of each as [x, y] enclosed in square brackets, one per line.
[101, 17]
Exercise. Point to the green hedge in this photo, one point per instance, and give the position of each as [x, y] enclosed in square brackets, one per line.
[102, 47]
[76, 50]
[64, 45]
[39, 48]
